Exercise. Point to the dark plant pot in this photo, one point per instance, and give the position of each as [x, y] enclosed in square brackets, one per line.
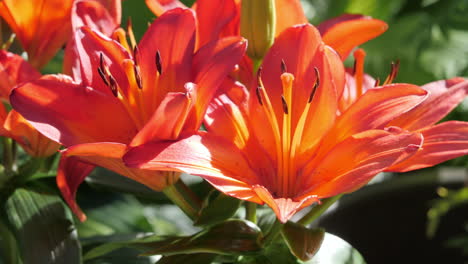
[386, 222]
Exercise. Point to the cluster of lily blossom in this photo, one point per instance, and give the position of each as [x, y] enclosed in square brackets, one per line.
[298, 129]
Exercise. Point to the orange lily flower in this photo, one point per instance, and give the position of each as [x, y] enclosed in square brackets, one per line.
[42, 26]
[157, 91]
[283, 143]
[442, 142]
[15, 70]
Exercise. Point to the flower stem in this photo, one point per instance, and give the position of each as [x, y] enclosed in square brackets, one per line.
[272, 233]
[251, 212]
[8, 244]
[181, 195]
[318, 210]
[8, 156]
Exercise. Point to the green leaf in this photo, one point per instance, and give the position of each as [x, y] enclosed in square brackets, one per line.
[201, 258]
[43, 229]
[218, 209]
[302, 241]
[232, 237]
[110, 213]
[139, 241]
[337, 251]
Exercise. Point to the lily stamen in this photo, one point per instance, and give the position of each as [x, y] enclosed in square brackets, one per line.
[131, 36]
[283, 66]
[358, 71]
[285, 105]
[393, 72]
[136, 70]
[158, 63]
[103, 76]
[316, 85]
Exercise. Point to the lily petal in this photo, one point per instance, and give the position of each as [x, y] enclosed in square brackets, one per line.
[33, 142]
[284, 208]
[90, 46]
[209, 73]
[95, 16]
[354, 161]
[158, 7]
[444, 96]
[215, 25]
[225, 116]
[114, 7]
[336, 32]
[167, 121]
[442, 142]
[107, 155]
[13, 71]
[288, 13]
[176, 52]
[70, 174]
[72, 113]
[205, 155]
[375, 108]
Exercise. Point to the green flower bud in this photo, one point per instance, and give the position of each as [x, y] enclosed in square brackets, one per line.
[258, 23]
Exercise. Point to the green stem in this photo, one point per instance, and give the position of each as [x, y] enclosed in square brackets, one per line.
[273, 233]
[251, 212]
[181, 195]
[8, 162]
[318, 210]
[8, 156]
[9, 246]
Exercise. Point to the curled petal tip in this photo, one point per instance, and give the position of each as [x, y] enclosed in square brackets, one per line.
[412, 148]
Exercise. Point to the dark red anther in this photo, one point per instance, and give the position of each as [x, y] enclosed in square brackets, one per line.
[103, 76]
[316, 85]
[136, 70]
[283, 66]
[135, 54]
[159, 63]
[285, 105]
[113, 85]
[259, 96]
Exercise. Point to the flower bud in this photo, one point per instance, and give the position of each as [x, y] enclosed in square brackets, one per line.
[258, 22]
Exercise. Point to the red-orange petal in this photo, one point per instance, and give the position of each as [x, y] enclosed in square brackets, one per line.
[95, 16]
[90, 46]
[168, 119]
[13, 71]
[442, 142]
[114, 7]
[284, 208]
[211, 65]
[354, 161]
[288, 13]
[216, 24]
[33, 142]
[71, 173]
[158, 7]
[72, 113]
[444, 96]
[42, 26]
[176, 49]
[213, 158]
[226, 114]
[347, 31]
[375, 108]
